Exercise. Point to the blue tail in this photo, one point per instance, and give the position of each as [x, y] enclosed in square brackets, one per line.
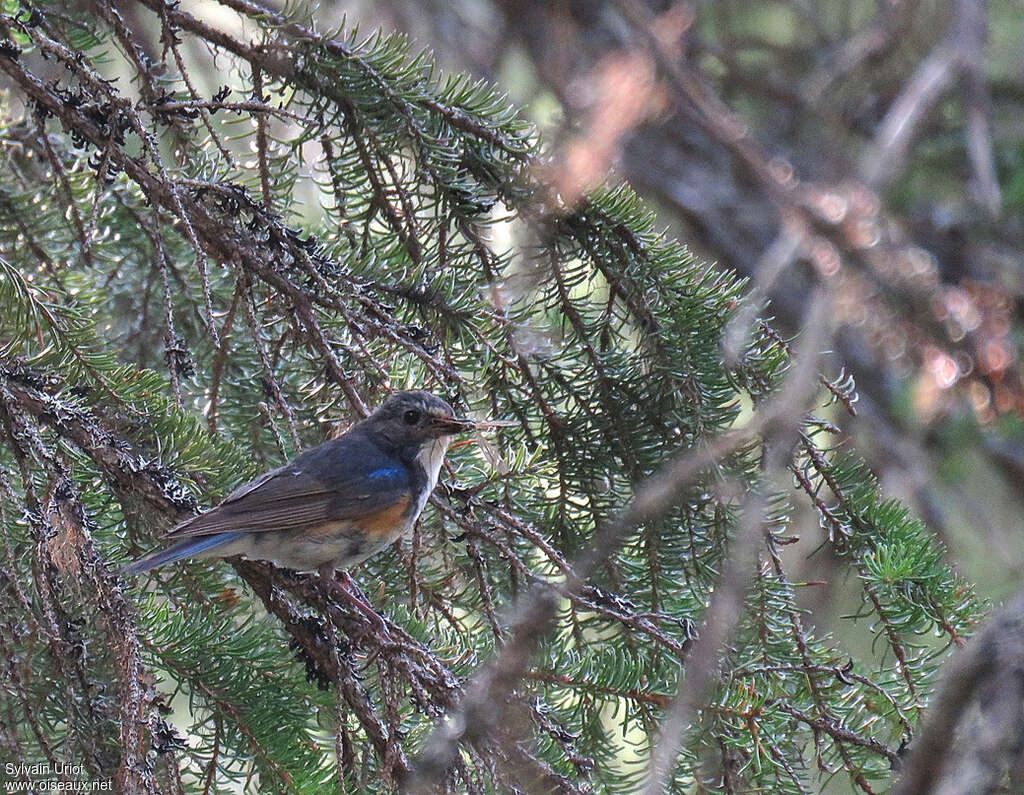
[185, 548]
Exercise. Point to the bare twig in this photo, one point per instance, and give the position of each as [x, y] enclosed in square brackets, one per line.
[727, 604]
[970, 33]
[897, 130]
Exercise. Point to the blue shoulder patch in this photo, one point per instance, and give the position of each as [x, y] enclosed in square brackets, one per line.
[387, 473]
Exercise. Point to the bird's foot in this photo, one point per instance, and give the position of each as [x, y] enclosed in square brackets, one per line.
[346, 587]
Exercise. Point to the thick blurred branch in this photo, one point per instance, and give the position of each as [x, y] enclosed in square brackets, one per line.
[809, 172]
[726, 606]
[971, 740]
[478, 714]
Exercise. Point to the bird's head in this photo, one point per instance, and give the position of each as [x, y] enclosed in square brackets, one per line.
[411, 419]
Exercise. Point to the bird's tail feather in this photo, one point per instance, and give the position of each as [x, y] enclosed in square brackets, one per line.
[185, 548]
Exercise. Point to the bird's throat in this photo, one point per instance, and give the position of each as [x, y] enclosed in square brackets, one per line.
[430, 457]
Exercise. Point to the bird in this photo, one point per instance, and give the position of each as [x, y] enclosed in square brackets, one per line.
[335, 505]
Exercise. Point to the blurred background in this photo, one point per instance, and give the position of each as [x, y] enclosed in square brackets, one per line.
[879, 144]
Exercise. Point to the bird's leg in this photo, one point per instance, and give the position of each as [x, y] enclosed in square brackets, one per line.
[351, 592]
[353, 587]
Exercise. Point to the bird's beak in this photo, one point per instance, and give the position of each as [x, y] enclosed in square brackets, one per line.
[454, 425]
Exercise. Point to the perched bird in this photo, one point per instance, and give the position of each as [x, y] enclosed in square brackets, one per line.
[334, 505]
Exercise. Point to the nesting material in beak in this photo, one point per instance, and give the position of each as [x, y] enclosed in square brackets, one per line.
[491, 453]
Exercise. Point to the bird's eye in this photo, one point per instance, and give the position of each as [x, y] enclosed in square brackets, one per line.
[411, 417]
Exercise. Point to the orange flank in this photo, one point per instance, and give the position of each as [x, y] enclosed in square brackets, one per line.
[384, 522]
